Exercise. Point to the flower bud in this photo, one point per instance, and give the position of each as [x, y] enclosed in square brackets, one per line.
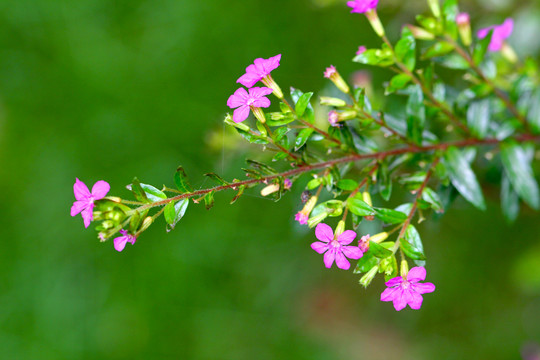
[340, 228]
[508, 52]
[270, 189]
[259, 114]
[464, 27]
[332, 74]
[363, 243]
[108, 224]
[146, 223]
[420, 33]
[368, 277]
[313, 221]
[277, 116]
[367, 198]
[332, 101]
[404, 268]
[303, 215]
[269, 82]
[375, 22]
[380, 237]
[435, 8]
[229, 121]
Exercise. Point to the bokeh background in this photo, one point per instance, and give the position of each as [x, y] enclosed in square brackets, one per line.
[101, 89]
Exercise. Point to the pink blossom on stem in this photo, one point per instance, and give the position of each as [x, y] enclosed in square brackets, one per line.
[362, 6]
[301, 217]
[84, 203]
[335, 248]
[333, 118]
[287, 184]
[121, 241]
[407, 290]
[500, 34]
[331, 70]
[361, 49]
[257, 71]
[462, 18]
[244, 101]
[363, 243]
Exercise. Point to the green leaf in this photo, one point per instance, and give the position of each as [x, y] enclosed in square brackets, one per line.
[238, 194]
[209, 200]
[379, 251]
[480, 48]
[453, 61]
[398, 82]
[375, 57]
[262, 167]
[283, 121]
[313, 183]
[384, 181]
[152, 193]
[302, 103]
[390, 216]
[217, 178]
[406, 49]
[331, 208]
[253, 139]
[416, 115]
[308, 113]
[411, 244]
[181, 181]
[517, 167]
[280, 133]
[533, 115]
[440, 48]
[463, 178]
[174, 211]
[302, 138]
[138, 191]
[431, 197]
[478, 115]
[450, 11]
[366, 262]
[359, 207]
[347, 184]
[509, 200]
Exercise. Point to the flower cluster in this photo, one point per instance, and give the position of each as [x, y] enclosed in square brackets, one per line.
[84, 199]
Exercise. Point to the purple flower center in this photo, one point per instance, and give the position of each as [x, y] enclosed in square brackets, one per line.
[335, 244]
[405, 284]
[250, 101]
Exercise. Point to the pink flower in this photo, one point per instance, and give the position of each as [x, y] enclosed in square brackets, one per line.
[244, 101]
[301, 217]
[363, 243]
[403, 291]
[362, 6]
[500, 34]
[121, 241]
[333, 118]
[463, 18]
[260, 69]
[330, 71]
[84, 203]
[336, 249]
[287, 183]
[361, 49]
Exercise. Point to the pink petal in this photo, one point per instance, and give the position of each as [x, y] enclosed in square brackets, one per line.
[258, 92]
[400, 301]
[414, 300]
[78, 206]
[120, 243]
[423, 288]
[88, 214]
[249, 79]
[329, 257]
[100, 189]
[505, 30]
[237, 99]
[394, 281]
[346, 237]
[341, 261]
[388, 294]
[417, 273]
[80, 190]
[324, 232]
[241, 114]
[319, 247]
[273, 62]
[352, 252]
[482, 33]
[261, 103]
[260, 65]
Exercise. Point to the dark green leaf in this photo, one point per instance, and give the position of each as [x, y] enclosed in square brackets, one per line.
[406, 49]
[302, 103]
[390, 216]
[411, 244]
[138, 191]
[174, 211]
[433, 199]
[152, 193]
[517, 167]
[217, 178]
[253, 139]
[365, 263]
[463, 177]
[359, 207]
[416, 115]
[308, 113]
[379, 251]
[347, 184]
[302, 137]
[509, 200]
[440, 48]
[480, 48]
[478, 115]
[181, 180]
[280, 133]
[398, 82]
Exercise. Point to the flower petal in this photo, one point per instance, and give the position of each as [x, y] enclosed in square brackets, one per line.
[505, 30]
[261, 103]
[400, 300]
[78, 206]
[329, 257]
[414, 299]
[389, 293]
[417, 273]
[88, 214]
[273, 62]
[100, 189]
[237, 99]
[423, 288]
[394, 281]
[241, 114]
[324, 232]
[120, 243]
[352, 252]
[258, 92]
[80, 190]
[341, 261]
[346, 237]
[249, 79]
[319, 247]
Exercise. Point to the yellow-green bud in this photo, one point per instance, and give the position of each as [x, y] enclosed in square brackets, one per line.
[508, 52]
[420, 33]
[259, 114]
[229, 121]
[435, 8]
[332, 101]
[146, 223]
[367, 198]
[375, 22]
[464, 27]
[368, 277]
[313, 221]
[340, 228]
[404, 268]
[379, 238]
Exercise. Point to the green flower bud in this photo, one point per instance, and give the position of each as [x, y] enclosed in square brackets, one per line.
[313, 221]
[368, 277]
[379, 238]
[146, 223]
[420, 33]
[229, 121]
[332, 101]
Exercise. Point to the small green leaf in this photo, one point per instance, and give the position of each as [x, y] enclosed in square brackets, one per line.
[463, 177]
[440, 48]
[347, 184]
[358, 207]
[313, 183]
[398, 82]
[533, 115]
[365, 263]
[416, 115]
[431, 197]
[517, 166]
[238, 194]
[302, 138]
[152, 193]
[478, 115]
[390, 216]
[331, 208]
[509, 200]
[209, 200]
[217, 178]
[379, 251]
[174, 211]
[406, 49]
[411, 244]
[375, 57]
[261, 167]
[450, 11]
[480, 48]
[181, 181]
[302, 103]
[453, 61]
[308, 113]
[253, 139]
[138, 191]
[280, 133]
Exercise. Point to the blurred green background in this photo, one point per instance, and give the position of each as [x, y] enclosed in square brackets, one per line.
[101, 89]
